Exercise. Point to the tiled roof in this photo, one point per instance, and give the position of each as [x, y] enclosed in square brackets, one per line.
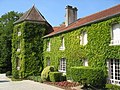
[31, 15]
[88, 19]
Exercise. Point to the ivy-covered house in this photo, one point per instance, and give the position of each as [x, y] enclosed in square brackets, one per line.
[92, 41]
[27, 43]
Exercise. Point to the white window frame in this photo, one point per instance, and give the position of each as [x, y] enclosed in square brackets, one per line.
[19, 33]
[19, 45]
[18, 63]
[62, 67]
[85, 62]
[62, 47]
[115, 39]
[48, 46]
[113, 71]
[83, 38]
[48, 61]
[18, 50]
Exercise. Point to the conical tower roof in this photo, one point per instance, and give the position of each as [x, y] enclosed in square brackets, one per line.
[32, 14]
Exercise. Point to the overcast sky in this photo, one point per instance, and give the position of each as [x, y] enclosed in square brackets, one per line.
[54, 10]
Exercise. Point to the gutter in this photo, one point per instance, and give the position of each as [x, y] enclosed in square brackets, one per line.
[97, 20]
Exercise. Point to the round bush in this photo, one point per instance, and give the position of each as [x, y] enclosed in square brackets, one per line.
[45, 73]
[8, 73]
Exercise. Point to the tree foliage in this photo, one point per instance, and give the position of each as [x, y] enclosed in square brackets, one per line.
[6, 29]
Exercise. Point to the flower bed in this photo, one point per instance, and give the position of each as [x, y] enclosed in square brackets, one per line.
[64, 84]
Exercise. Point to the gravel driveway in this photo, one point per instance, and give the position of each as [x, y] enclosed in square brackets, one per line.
[7, 84]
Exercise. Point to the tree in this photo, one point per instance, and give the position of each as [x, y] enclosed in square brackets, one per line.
[6, 29]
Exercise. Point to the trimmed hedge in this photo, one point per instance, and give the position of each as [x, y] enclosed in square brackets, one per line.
[35, 78]
[45, 73]
[55, 76]
[88, 76]
[112, 87]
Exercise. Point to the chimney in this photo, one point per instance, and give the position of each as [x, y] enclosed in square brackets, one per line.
[71, 15]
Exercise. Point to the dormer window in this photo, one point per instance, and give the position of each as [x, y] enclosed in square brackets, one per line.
[115, 35]
[48, 46]
[62, 47]
[83, 38]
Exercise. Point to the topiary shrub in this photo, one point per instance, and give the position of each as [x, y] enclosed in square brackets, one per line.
[89, 76]
[8, 73]
[55, 76]
[45, 73]
[112, 87]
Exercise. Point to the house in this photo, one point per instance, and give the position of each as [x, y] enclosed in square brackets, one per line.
[92, 41]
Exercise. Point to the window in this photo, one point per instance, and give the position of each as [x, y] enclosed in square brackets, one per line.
[114, 71]
[62, 44]
[83, 38]
[18, 63]
[18, 47]
[48, 61]
[19, 33]
[115, 34]
[85, 62]
[48, 46]
[62, 65]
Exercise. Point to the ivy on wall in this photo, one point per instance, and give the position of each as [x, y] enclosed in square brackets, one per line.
[97, 50]
[31, 49]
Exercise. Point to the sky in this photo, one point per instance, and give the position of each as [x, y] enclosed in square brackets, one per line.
[54, 10]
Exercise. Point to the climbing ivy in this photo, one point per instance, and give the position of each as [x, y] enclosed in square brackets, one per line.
[97, 50]
[31, 49]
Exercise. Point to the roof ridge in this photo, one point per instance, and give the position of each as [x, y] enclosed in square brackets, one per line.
[93, 18]
[32, 14]
[100, 11]
[29, 11]
[40, 13]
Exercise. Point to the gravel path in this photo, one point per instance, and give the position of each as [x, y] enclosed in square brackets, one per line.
[7, 84]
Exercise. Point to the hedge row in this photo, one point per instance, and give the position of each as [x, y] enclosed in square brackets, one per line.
[112, 87]
[88, 76]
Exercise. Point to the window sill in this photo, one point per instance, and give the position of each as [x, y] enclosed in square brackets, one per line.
[62, 71]
[18, 68]
[18, 50]
[19, 33]
[62, 48]
[48, 50]
[114, 42]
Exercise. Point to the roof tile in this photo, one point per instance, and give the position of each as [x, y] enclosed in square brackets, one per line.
[85, 20]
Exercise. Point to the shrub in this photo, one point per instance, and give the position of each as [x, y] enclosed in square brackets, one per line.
[15, 75]
[45, 73]
[55, 76]
[63, 78]
[8, 73]
[112, 87]
[88, 76]
[35, 78]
